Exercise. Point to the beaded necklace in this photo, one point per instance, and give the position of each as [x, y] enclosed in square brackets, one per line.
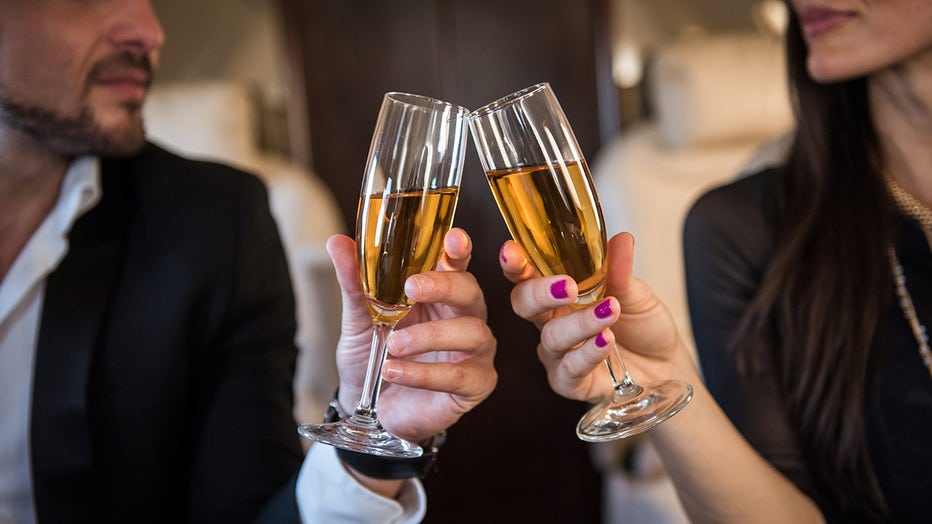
[922, 214]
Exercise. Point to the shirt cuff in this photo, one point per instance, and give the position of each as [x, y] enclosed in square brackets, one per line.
[326, 492]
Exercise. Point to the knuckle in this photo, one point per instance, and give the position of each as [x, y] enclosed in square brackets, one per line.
[433, 335]
[467, 281]
[521, 303]
[446, 283]
[459, 377]
[548, 338]
[515, 297]
[585, 321]
[572, 368]
[491, 381]
[477, 326]
[473, 335]
[491, 344]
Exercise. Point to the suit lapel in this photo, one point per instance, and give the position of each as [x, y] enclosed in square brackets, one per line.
[74, 318]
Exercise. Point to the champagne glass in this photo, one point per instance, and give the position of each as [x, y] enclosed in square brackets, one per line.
[406, 207]
[543, 188]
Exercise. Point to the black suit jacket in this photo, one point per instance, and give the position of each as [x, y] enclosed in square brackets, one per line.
[162, 383]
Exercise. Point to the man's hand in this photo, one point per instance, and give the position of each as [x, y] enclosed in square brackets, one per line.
[440, 362]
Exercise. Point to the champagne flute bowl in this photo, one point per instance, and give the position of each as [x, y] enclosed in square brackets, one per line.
[543, 188]
[406, 206]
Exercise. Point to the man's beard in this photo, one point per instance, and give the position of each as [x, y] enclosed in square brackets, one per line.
[75, 135]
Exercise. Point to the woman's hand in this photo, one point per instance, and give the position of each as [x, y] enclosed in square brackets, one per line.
[575, 341]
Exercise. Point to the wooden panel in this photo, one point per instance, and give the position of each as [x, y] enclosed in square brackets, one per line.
[352, 52]
[516, 458]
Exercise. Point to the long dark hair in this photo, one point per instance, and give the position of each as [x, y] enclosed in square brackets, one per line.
[828, 283]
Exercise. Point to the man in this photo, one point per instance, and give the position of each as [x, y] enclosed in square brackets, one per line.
[146, 317]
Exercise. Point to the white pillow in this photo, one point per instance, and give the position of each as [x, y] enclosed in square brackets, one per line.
[715, 89]
[214, 120]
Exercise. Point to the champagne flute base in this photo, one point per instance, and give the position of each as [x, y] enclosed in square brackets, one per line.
[621, 417]
[364, 438]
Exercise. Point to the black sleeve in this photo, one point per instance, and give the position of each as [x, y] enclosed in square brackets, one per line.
[727, 243]
[248, 452]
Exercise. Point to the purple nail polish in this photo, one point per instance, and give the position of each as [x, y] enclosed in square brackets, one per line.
[558, 289]
[600, 340]
[501, 253]
[604, 310]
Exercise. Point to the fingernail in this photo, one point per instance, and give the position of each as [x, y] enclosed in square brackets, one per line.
[399, 342]
[600, 340]
[392, 370]
[419, 285]
[558, 289]
[604, 310]
[501, 253]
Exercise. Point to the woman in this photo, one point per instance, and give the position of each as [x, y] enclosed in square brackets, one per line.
[823, 389]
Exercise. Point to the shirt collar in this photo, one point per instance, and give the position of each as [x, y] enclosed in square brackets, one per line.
[80, 192]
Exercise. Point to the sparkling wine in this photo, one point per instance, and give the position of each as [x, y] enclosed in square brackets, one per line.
[553, 212]
[400, 235]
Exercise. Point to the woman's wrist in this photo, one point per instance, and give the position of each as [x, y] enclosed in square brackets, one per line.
[683, 364]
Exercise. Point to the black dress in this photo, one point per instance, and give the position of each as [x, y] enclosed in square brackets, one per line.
[728, 244]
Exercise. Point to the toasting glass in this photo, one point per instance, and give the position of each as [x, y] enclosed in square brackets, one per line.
[406, 206]
[543, 188]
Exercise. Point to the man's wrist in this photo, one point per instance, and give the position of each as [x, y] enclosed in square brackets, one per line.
[394, 468]
[377, 467]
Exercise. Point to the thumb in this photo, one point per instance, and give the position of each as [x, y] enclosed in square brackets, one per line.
[620, 261]
[645, 325]
[342, 251]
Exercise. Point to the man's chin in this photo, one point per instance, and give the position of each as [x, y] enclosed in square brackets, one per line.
[99, 143]
[81, 134]
[122, 144]
[121, 138]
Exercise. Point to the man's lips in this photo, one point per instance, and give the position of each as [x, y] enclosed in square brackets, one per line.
[130, 83]
[816, 21]
[124, 75]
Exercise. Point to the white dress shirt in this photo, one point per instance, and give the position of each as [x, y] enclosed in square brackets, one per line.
[21, 294]
[326, 492]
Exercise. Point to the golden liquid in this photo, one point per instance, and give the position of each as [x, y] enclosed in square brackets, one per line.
[553, 212]
[397, 237]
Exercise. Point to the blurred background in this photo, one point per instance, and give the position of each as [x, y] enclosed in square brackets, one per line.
[667, 98]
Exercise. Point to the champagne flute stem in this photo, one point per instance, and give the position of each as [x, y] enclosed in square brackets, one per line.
[366, 409]
[626, 387]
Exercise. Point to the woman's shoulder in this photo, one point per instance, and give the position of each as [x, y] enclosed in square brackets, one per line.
[747, 195]
[729, 231]
[742, 205]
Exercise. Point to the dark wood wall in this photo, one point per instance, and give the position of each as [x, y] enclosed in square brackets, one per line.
[515, 458]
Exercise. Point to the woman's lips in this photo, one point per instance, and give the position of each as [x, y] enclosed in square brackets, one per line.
[817, 21]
